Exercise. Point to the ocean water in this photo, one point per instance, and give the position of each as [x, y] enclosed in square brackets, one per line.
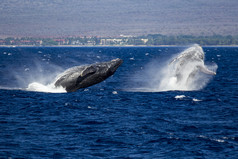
[129, 115]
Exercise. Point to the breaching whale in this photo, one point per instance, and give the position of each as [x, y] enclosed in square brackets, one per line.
[87, 75]
[190, 62]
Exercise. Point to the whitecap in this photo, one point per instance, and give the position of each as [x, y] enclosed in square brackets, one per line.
[179, 96]
[27, 69]
[219, 140]
[66, 104]
[114, 92]
[196, 100]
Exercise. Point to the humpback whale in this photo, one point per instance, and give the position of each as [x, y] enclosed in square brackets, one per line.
[189, 63]
[87, 75]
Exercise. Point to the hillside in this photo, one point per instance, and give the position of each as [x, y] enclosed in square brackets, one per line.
[115, 17]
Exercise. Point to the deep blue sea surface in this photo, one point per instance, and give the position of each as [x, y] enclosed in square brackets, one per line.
[114, 119]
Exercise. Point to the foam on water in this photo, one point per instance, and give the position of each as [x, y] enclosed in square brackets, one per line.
[43, 83]
[50, 88]
[196, 100]
[39, 87]
[179, 96]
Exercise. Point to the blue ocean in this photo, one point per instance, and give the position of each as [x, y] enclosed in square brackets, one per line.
[139, 112]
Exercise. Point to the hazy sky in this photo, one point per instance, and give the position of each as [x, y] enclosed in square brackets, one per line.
[41, 18]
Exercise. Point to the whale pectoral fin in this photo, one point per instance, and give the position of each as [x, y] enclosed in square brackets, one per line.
[86, 73]
[206, 71]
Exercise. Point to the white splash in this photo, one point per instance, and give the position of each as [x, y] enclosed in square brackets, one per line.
[45, 84]
[50, 88]
[185, 72]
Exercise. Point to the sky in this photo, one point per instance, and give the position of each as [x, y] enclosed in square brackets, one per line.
[59, 18]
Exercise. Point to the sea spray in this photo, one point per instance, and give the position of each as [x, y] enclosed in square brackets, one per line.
[185, 71]
[43, 81]
[50, 88]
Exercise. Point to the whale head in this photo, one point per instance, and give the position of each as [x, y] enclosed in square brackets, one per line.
[113, 65]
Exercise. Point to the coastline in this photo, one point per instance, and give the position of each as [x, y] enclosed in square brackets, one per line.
[16, 46]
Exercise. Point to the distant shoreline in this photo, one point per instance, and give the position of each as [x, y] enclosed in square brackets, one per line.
[150, 40]
[16, 46]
